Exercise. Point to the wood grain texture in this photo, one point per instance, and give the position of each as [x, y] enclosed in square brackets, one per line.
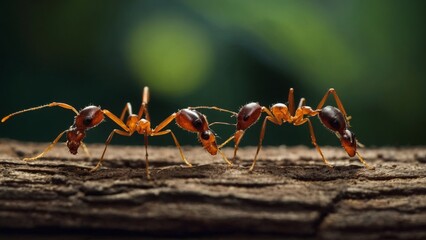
[291, 193]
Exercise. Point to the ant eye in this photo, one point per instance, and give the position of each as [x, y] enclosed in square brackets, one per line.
[87, 121]
[205, 135]
[348, 136]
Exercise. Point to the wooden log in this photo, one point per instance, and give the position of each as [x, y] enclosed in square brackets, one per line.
[291, 193]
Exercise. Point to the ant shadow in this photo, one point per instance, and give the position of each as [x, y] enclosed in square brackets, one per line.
[303, 171]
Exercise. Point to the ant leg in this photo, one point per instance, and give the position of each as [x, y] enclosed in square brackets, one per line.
[144, 106]
[148, 175]
[337, 99]
[314, 140]
[157, 132]
[226, 142]
[53, 104]
[144, 110]
[238, 137]
[364, 162]
[225, 158]
[128, 109]
[302, 102]
[164, 132]
[47, 149]
[222, 145]
[145, 95]
[123, 133]
[262, 136]
[222, 123]
[301, 111]
[291, 101]
[86, 150]
[164, 123]
[116, 120]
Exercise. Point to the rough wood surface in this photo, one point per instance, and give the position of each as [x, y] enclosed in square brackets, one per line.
[291, 193]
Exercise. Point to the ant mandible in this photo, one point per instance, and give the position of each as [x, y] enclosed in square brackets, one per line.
[188, 119]
[335, 119]
[85, 119]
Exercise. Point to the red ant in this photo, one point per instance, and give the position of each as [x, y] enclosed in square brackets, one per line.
[85, 119]
[335, 119]
[188, 118]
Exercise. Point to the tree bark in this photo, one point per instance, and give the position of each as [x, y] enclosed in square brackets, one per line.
[291, 193]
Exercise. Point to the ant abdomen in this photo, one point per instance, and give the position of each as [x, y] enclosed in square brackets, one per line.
[89, 117]
[333, 119]
[191, 120]
[248, 115]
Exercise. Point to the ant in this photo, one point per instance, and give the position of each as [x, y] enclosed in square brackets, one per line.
[335, 119]
[85, 119]
[188, 119]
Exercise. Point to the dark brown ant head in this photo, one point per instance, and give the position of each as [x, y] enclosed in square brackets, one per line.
[74, 138]
[194, 121]
[348, 141]
[248, 115]
[88, 117]
[333, 119]
[208, 140]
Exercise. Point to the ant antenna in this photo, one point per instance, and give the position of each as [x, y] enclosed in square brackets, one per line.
[53, 104]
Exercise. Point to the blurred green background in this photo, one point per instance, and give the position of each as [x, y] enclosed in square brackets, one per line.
[222, 53]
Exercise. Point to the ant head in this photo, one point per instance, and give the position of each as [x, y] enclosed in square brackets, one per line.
[74, 138]
[208, 140]
[88, 117]
[348, 141]
[248, 115]
[333, 119]
[191, 120]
